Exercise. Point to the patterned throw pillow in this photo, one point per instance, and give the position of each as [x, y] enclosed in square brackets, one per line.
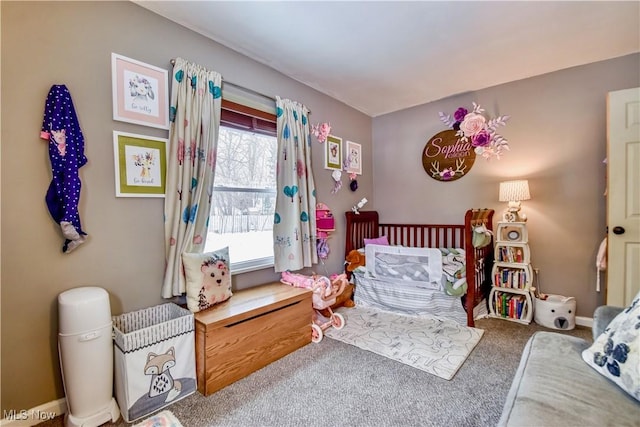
[208, 279]
[615, 353]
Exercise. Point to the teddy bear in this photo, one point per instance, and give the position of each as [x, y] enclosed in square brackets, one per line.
[355, 259]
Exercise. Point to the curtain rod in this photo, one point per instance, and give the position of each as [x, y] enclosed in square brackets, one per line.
[255, 92]
[273, 98]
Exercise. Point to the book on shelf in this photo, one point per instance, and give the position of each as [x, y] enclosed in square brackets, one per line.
[515, 278]
[510, 305]
[511, 254]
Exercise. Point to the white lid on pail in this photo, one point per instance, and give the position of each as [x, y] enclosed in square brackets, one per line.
[83, 309]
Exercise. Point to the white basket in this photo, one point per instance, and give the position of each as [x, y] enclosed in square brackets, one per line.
[154, 356]
[555, 312]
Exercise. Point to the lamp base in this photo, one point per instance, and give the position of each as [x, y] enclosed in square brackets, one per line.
[511, 215]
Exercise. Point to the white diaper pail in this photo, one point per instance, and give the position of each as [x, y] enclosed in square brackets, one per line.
[86, 356]
[555, 312]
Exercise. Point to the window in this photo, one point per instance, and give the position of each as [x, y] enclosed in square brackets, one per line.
[244, 196]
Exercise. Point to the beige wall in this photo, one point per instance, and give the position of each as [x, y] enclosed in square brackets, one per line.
[71, 43]
[557, 134]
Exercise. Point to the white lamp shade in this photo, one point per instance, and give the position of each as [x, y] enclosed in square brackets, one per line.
[514, 191]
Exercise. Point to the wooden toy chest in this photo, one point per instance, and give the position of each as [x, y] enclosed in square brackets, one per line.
[253, 328]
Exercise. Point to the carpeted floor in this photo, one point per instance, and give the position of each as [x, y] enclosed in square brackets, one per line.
[336, 384]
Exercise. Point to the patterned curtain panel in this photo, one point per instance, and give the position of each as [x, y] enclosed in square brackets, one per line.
[196, 100]
[294, 230]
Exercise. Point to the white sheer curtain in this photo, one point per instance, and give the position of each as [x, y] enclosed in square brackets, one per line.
[294, 230]
[193, 139]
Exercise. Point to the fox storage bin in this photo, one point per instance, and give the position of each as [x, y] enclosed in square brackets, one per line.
[154, 356]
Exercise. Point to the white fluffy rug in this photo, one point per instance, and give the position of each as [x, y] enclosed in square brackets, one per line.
[434, 346]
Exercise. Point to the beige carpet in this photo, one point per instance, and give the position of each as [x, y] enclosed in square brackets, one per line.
[438, 347]
[339, 385]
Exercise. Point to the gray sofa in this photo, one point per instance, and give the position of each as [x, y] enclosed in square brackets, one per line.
[553, 386]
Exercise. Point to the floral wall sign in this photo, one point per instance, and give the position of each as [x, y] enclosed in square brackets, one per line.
[450, 154]
[446, 158]
[472, 126]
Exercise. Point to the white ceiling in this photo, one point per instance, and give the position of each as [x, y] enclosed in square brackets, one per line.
[380, 57]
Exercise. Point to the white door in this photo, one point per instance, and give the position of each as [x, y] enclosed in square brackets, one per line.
[623, 194]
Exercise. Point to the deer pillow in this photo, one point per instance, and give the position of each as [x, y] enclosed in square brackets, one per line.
[208, 278]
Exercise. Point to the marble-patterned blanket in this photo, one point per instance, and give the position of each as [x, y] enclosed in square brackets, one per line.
[438, 347]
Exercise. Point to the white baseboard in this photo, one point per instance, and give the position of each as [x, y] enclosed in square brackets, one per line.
[33, 416]
[584, 321]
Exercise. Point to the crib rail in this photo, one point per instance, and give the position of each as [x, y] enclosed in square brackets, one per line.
[424, 235]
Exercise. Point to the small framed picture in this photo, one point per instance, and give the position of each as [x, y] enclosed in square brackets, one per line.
[333, 153]
[140, 164]
[354, 158]
[140, 92]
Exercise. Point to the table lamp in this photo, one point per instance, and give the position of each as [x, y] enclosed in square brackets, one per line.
[514, 192]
